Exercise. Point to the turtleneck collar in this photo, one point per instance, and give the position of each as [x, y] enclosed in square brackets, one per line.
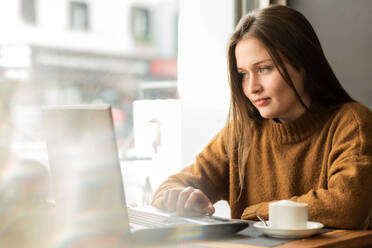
[293, 131]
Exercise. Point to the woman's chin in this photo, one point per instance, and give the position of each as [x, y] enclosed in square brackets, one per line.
[267, 115]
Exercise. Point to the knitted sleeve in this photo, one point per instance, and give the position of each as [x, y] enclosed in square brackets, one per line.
[209, 172]
[346, 203]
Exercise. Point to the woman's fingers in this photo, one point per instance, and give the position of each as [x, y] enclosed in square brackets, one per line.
[185, 201]
[182, 198]
[200, 203]
[172, 199]
[209, 210]
[158, 202]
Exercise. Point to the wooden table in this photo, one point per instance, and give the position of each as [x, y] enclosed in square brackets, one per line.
[34, 230]
[337, 238]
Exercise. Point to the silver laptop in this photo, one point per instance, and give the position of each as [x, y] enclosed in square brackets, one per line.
[88, 185]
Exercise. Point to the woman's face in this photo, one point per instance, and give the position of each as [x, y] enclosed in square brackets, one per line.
[264, 86]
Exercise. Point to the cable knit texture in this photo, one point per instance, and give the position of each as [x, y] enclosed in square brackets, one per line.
[324, 160]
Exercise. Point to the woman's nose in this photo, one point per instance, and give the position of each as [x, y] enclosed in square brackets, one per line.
[254, 85]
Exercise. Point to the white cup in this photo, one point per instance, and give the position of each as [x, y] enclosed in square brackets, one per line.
[288, 215]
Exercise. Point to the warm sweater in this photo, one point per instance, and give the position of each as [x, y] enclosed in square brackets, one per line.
[324, 160]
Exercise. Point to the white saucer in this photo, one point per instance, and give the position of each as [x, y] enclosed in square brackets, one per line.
[312, 228]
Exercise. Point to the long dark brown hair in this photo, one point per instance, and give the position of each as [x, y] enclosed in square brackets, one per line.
[288, 36]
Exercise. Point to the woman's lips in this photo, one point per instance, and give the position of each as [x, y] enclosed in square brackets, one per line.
[262, 102]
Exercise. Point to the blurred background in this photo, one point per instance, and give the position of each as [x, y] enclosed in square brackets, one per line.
[52, 52]
[161, 64]
[74, 52]
[83, 52]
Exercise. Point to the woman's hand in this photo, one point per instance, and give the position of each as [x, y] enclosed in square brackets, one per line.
[185, 201]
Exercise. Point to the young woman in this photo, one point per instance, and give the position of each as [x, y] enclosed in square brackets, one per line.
[292, 132]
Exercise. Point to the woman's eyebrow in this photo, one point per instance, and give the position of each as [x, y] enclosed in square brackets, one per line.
[261, 61]
[255, 64]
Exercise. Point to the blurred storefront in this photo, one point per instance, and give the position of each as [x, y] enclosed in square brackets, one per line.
[73, 52]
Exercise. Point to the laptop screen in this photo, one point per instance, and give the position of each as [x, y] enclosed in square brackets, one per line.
[85, 167]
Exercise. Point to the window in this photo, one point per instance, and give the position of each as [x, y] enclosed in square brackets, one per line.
[242, 7]
[28, 11]
[138, 79]
[79, 16]
[140, 24]
[176, 19]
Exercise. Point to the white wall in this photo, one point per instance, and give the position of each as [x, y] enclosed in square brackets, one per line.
[109, 26]
[165, 17]
[344, 30]
[204, 29]
[8, 21]
[108, 31]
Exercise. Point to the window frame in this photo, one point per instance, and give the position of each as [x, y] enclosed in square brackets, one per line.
[136, 12]
[28, 11]
[73, 6]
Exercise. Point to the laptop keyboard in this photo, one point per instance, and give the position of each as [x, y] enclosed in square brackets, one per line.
[148, 219]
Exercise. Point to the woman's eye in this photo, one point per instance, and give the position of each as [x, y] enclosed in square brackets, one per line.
[264, 69]
[243, 75]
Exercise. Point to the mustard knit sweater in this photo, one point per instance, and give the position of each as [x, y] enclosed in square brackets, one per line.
[324, 160]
